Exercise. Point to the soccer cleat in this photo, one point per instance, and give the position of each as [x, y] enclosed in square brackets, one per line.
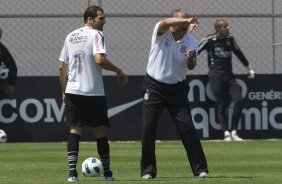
[235, 136]
[109, 176]
[73, 176]
[203, 175]
[72, 179]
[227, 138]
[147, 177]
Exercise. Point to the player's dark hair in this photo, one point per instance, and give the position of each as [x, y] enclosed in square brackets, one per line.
[175, 11]
[91, 11]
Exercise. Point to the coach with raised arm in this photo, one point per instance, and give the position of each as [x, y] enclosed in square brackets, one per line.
[173, 52]
[219, 47]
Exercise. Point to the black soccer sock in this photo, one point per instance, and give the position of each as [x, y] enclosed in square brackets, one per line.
[104, 153]
[73, 149]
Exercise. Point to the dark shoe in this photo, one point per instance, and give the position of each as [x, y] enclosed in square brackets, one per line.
[108, 176]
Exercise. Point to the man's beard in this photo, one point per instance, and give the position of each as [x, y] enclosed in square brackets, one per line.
[98, 27]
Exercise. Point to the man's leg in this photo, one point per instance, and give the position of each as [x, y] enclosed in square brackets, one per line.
[103, 150]
[179, 108]
[219, 91]
[235, 94]
[73, 150]
[152, 108]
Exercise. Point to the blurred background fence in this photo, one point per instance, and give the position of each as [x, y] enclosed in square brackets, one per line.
[34, 30]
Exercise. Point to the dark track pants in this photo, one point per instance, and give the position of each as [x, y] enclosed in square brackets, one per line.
[158, 96]
[224, 88]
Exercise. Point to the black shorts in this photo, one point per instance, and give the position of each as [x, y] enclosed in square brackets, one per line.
[87, 111]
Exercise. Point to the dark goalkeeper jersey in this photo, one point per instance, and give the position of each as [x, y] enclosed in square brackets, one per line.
[7, 59]
[220, 54]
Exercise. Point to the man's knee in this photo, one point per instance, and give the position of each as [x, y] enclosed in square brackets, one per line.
[99, 132]
[76, 130]
[186, 126]
[238, 100]
[220, 106]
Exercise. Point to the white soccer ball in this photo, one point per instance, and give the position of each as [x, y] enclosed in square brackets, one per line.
[92, 167]
[3, 136]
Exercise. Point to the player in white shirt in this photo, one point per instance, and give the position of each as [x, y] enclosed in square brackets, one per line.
[80, 70]
[173, 50]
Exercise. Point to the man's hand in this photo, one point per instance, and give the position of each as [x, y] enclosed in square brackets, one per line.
[11, 90]
[193, 23]
[64, 99]
[122, 78]
[191, 59]
[252, 74]
[191, 55]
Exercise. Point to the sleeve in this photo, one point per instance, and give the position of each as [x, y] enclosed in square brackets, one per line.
[11, 64]
[157, 39]
[202, 45]
[64, 56]
[192, 43]
[155, 32]
[99, 45]
[237, 51]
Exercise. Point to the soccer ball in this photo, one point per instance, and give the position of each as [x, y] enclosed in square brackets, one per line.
[92, 167]
[3, 136]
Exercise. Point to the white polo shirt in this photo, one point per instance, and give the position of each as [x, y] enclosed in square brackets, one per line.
[84, 75]
[167, 61]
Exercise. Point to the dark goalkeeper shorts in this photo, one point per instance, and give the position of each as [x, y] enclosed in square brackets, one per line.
[87, 111]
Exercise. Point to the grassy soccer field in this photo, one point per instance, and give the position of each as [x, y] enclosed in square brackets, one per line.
[245, 162]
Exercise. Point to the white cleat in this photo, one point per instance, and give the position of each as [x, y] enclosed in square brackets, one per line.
[227, 138]
[203, 175]
[235, 136]
[147, 177]
[73, 179]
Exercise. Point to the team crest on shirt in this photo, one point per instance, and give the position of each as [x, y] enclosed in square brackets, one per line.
[146, 95]
[183, 49]
[167, 42]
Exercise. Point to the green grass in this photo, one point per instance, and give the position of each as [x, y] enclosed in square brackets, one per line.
[245, 162]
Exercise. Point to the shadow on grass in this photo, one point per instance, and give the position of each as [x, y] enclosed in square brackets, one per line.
[164, 178]
[235, 177]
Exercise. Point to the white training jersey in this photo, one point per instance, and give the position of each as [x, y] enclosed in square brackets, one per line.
[167, 60]
[84, 75]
